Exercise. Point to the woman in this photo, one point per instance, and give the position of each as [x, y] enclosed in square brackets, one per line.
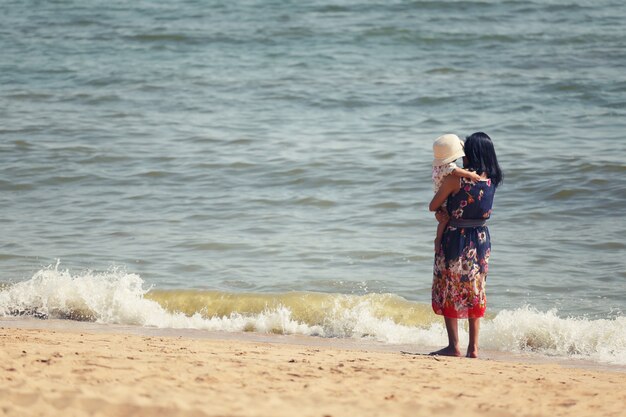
[461, 263]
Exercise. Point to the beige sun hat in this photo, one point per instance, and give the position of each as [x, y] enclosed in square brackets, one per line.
[447, 148]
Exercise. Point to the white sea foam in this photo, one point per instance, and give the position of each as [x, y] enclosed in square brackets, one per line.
[118, 297]
[527, 329]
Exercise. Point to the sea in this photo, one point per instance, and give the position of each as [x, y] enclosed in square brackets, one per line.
[264, 166]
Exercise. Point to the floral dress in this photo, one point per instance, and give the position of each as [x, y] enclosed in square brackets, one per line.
[461, 264]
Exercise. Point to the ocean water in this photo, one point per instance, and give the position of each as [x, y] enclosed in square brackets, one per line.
[265, 166]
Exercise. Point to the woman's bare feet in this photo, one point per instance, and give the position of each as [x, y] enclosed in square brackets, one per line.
[447, 351]
[472, 352]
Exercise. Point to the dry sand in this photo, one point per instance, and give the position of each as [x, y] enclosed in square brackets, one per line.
[82, 372]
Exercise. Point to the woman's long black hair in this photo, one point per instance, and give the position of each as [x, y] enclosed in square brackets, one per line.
[481, 157]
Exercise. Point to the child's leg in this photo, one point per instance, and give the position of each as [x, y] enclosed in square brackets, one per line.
[441, 227]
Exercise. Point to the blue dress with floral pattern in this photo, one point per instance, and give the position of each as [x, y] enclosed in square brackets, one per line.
[461, 264]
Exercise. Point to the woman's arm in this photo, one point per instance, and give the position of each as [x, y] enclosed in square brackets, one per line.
[451, 185]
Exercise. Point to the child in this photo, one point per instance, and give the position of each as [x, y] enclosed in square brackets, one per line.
[447, 149]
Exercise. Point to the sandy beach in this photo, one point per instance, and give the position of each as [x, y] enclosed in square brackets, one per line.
[93, 371]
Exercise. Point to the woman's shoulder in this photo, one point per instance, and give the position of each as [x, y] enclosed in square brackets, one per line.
[482, 187]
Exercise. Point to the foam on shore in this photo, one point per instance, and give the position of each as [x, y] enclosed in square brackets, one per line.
[118, 297]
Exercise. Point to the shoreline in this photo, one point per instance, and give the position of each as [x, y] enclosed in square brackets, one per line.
[89, 369]
[364, 345]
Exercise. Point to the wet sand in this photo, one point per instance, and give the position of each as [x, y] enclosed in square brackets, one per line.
[52, 368]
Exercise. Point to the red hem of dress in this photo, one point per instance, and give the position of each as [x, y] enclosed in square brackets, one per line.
[451, 313]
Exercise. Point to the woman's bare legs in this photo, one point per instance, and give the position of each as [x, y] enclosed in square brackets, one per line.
[474, 329]
[453, 339]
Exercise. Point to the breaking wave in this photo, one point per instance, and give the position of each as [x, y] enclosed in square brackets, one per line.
[118, 297]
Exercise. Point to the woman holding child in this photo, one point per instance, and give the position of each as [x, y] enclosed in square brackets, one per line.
[462, 255]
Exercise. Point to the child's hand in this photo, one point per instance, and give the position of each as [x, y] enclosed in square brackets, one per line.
[442, 216]
[474, 177]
